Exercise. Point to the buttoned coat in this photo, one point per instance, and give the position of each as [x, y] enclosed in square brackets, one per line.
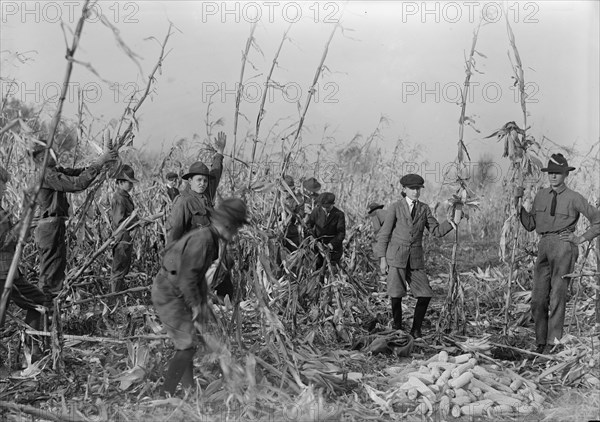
[328, 228]
[400, 239]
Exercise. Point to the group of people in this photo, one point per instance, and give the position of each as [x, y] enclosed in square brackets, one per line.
[198, 232]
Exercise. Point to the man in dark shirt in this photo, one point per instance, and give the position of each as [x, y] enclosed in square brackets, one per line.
[192, 207]
[554, 216]
[180, 289]
[121, 208]
[172, 185]
[53, 211]
[328, 225]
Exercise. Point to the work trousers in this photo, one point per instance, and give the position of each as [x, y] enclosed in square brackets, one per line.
[121, 264]
[549, 294]
[50, 241]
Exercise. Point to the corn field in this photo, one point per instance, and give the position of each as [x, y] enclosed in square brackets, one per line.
[288, 346]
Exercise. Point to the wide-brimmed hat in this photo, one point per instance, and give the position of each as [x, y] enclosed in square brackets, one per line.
[326, 198]
[126, 173]
[198, 168]
[558, 164]
[171, 176]
[412, 181]
[372, 207]
[233, 211]
[311, 185]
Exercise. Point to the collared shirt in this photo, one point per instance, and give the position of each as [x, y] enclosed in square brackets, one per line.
[569, 206]
[410, 203]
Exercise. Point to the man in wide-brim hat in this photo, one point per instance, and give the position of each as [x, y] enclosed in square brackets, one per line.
[554, 216]
[192, 207]
[121, 208]
[310, 192]
[180, 289]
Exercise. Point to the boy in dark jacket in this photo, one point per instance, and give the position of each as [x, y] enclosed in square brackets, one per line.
[328, 225]
[121, 208]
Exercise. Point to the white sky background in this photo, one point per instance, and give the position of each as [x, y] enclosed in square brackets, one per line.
[388, 50]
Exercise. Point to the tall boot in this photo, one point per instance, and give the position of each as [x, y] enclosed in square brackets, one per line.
[178, 365]
[420, 311]
[397, 313]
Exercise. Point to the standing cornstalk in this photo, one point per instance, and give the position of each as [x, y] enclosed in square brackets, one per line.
[261, 111]
[238, 97]
[452, 317]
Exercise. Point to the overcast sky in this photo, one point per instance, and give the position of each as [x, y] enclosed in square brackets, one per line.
[403, 60]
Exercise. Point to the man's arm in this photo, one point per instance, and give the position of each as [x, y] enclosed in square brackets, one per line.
[385, 233]
[63, 182]
[592, 214]
[527, 219]
[434, 227]
[195, 261]
[340, 228]
[177, 221]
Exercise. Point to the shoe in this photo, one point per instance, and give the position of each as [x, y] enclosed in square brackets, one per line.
[540, 349]
[416, 334]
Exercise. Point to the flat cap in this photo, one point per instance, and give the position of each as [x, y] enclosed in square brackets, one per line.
[326, 198]
[412, 181]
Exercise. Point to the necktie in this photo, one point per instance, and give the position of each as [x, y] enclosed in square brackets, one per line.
[413, 211]
[553, 204]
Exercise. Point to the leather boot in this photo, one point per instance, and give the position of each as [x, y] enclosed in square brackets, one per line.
[397, 313]
[420, 311]
[179, 364]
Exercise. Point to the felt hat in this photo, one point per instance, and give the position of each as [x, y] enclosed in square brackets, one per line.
[558, 164]
[232, 211]
[126, 173]
[372, 207]
[198, 168]
[311, 185]
[412, 181]
[326, 198]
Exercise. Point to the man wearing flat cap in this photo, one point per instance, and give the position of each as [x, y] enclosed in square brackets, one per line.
[193, 206]
[554, 216]
[327, 224]
[121, 208]
[180, 289]
[400, 250]
[172, 185]
[53, 211]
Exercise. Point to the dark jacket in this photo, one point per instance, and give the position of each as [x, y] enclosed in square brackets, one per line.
[191, 209]
[172, 192]
[57, 182]
[329, 229]
[400, 239]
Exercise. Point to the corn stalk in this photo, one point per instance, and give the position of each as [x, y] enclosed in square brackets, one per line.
[30, 200]
[452, 316]
[520, 79]
[261, 111]
[238, 97]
